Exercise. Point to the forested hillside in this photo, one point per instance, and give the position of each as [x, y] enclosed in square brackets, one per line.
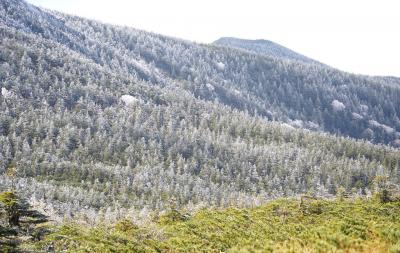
[100, 121]
[304, 95]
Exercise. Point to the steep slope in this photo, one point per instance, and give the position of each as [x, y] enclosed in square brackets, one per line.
[302, 95]
[97, 121]
[264, 47]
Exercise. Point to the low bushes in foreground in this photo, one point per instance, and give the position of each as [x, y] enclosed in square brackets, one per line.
[284, 225]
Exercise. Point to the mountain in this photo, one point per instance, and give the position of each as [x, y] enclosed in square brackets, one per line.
[97, 121]
[302, 95]
[264, 47]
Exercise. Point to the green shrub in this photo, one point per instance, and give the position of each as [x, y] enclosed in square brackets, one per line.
[355, 227]
[310, 206]
[172, 216]
[279, 226]
[126, 226]
[395, 248]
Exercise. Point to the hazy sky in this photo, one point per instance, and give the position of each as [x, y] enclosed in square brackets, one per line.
[360, 36]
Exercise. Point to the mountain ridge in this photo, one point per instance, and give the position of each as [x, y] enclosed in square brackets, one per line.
[265, 47]
[222, 84]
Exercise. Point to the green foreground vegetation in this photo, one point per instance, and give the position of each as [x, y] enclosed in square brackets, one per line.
[304, 224]
[285, 225]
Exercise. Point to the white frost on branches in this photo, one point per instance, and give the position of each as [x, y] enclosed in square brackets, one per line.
[129, 100]
[337, 105]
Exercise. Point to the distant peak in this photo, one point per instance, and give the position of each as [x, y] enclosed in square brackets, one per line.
[264, 47]
[243, 40]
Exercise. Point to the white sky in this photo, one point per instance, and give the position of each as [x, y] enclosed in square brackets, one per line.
[359, 36]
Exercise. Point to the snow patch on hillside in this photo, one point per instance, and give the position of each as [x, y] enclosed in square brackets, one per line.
[356, 116]
[129, 100]
[6, 93]
[220, 65]
[384, 127]
[337, 105]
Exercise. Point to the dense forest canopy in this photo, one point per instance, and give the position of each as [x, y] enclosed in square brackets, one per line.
[100, 120]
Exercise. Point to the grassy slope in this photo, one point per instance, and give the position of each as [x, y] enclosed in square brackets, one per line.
[280, 226]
